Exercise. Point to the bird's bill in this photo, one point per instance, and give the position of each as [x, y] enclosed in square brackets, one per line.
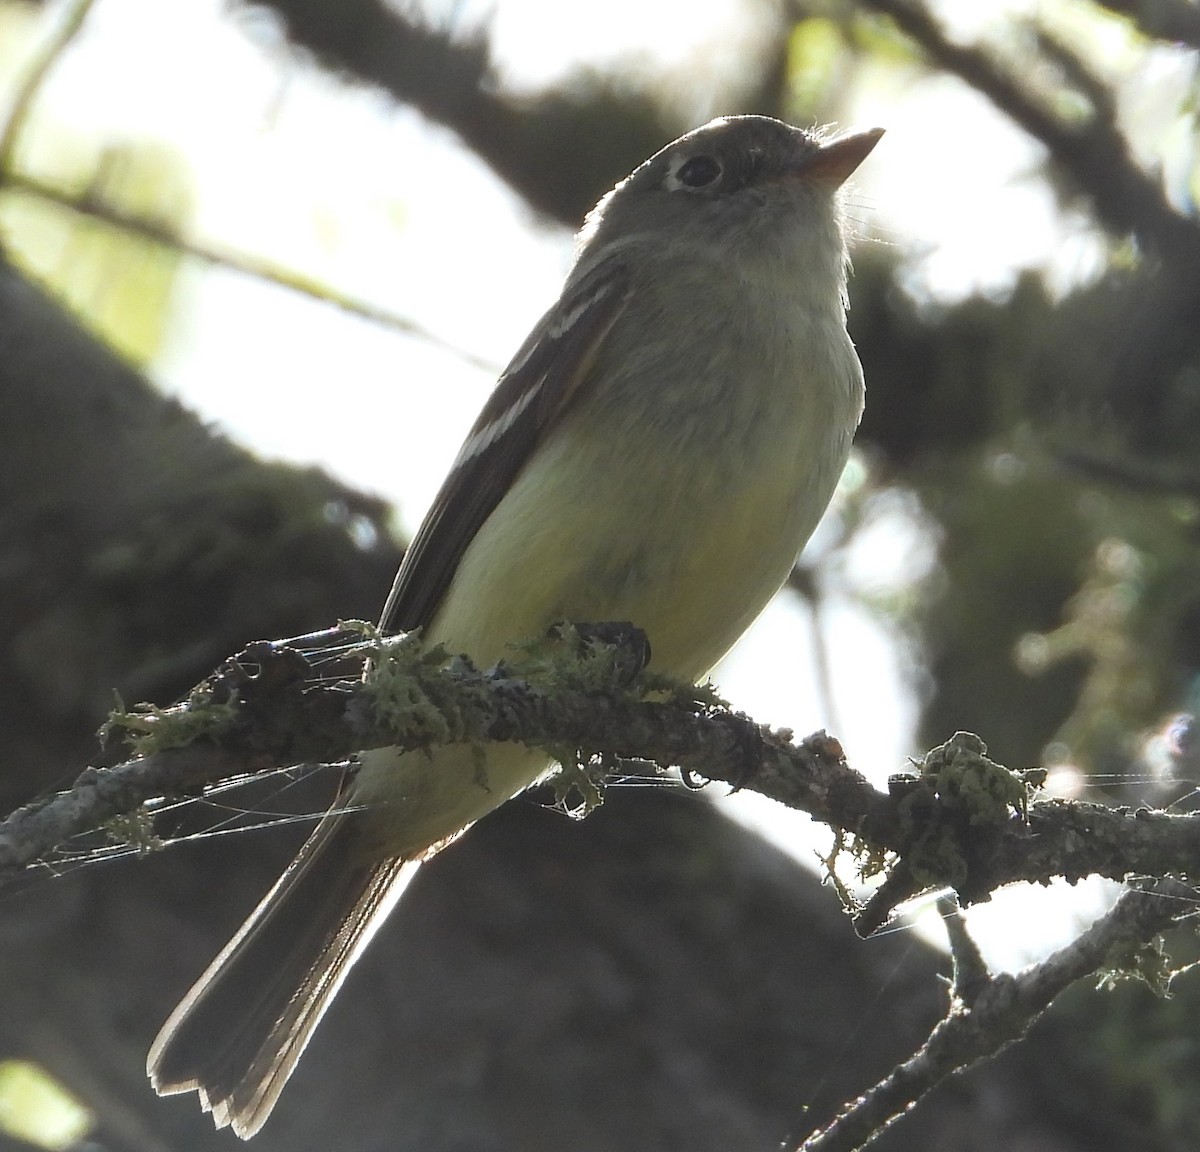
[836, 159]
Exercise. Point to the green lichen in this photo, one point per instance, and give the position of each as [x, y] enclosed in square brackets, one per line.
[957, 796]
[844, 844]
[594, 659]
[579, 783]
[136, 830]
[428, 710]
[581, 658]
[965, 779]
[1143, 961]
[404, 699]
[146, 729]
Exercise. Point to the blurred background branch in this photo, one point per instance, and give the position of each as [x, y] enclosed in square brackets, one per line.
[1163, 19]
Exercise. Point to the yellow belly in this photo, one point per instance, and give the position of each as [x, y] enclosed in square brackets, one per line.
[686, 529]
[692, 570]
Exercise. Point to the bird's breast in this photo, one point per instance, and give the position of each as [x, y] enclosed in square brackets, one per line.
[682, 512]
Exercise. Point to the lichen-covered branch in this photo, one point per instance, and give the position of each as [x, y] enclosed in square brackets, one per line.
[266, 708]
[961, 821]
[987, 1013]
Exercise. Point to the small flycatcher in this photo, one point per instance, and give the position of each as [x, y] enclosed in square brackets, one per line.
[658, 451]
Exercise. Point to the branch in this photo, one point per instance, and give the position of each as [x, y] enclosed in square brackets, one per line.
[987, 1013]
[531, 141]
[959, 821]
[97, 209]
[962, 821]
[1090, 148]
[1177, 20]
[265, 708]
[1142, 474]
[26, 94]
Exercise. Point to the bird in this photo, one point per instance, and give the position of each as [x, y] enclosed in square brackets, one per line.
[658, 451]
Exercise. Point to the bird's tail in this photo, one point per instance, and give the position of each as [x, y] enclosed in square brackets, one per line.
[236, 1036]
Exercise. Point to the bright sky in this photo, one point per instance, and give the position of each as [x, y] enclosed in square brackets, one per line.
[337, 184]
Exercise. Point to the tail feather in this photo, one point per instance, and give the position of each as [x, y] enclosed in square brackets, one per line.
[236, 1036]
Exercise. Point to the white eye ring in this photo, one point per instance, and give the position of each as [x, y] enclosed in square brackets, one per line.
[692, 173]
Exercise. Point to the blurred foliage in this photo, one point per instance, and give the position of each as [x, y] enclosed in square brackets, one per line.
[1133, 1083]
[1052, 438]
[117, 283]
[120, 285]
[36, 1108]
[1065, 602]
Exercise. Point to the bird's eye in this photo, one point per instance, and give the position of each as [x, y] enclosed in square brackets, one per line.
[699, 171]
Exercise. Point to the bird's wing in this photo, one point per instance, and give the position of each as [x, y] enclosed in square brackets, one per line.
[529, 399]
